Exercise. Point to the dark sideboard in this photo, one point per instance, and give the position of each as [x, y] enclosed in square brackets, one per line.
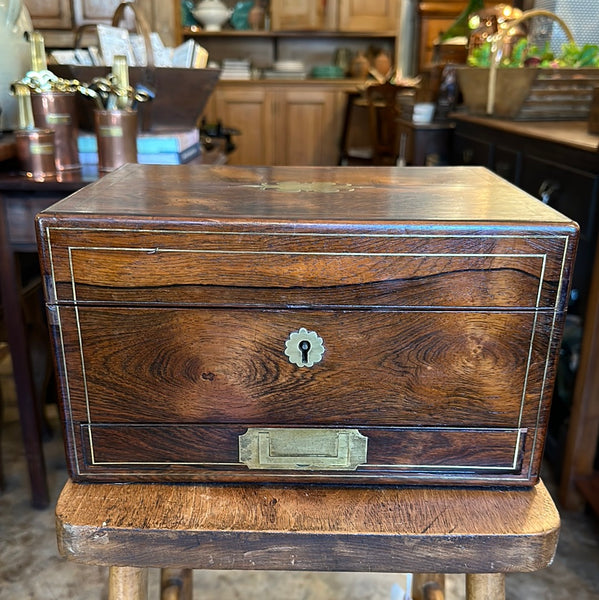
[557, 162]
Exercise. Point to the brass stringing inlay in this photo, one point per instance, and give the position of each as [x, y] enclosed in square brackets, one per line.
[324, 187]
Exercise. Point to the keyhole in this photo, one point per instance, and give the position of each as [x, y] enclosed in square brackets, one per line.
[304, 347]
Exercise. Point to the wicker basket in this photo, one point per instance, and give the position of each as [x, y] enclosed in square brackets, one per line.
[529, 94]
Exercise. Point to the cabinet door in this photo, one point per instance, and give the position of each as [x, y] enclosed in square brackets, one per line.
[307, 127]
[299, 15]
[470, 151]
[366, 15]
[247, 109]
[97, 11]
[50, 14]
[574, 193]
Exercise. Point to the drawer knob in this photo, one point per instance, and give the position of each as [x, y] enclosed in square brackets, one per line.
[304, 348]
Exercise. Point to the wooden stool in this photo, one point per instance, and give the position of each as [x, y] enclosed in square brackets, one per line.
[130, 527]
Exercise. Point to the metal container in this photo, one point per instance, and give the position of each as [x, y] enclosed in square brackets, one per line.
[116, 131]
[35, 152]
[57, 111]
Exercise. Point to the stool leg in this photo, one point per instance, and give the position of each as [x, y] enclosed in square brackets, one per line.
[127, 583]
[176, 584]
[487, 586]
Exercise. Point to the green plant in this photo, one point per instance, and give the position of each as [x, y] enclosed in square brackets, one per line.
[525, 55]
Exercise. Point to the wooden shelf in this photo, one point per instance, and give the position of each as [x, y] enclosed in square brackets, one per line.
[198, 32]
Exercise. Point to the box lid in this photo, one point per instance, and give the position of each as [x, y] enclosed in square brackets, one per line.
[376, 196]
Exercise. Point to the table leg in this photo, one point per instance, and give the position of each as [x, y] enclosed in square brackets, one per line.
[29, 414]
[176, 584]
[127, 583]
[486, 586]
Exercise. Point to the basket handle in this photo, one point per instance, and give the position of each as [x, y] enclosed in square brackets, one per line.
[497, 49]
[141, 26]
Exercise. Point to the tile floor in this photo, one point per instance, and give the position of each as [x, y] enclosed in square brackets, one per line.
[31, 569]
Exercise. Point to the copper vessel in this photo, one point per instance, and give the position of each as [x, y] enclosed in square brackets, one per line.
[57, 111]
[35, 152]
[116, 131]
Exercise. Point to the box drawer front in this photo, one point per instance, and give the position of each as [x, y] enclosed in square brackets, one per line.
[425, 368]
[281, 270]
[397, 454]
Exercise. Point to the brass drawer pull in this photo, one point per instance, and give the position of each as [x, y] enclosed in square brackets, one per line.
[302, 449]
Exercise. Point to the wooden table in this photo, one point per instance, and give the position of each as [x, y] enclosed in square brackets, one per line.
[130, 527]
[20, 200]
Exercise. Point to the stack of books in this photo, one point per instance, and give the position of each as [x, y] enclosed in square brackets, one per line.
[153, 148]
[235, 69]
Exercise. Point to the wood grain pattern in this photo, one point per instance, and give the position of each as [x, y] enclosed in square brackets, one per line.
[439, 294]
[308, 528]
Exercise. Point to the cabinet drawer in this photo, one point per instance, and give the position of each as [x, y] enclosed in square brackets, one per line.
[415, 454]
[400, 367]
[308, 270]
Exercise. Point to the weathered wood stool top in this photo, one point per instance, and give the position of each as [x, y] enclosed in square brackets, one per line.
[389, 529]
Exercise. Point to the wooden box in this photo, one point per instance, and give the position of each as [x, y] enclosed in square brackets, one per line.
[332, 325]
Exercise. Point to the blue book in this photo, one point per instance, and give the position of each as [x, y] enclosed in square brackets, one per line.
[157, 158]
[150, 142]
[170, 158]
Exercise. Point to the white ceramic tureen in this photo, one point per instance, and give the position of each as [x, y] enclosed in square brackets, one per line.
[212, 14]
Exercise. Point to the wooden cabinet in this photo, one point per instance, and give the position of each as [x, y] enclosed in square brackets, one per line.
[296, 123]
[297, 15]
[557, 163]
[366, 15]
[53, 14]
[58, 20]
[341, 15]
[306, 126]
[565, 177]
[247, 109]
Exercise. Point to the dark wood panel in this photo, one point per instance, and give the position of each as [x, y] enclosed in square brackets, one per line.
[156, 447]
[405, 368]
[411, 269]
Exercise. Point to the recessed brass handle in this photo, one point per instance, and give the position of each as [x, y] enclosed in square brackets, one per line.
[302, 449]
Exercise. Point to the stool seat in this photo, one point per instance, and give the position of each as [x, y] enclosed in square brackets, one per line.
[384, 529]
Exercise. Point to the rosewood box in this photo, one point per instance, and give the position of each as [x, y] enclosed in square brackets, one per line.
[373, 325]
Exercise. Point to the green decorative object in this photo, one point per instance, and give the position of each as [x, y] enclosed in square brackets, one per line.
[460, 28]
[187, 19]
